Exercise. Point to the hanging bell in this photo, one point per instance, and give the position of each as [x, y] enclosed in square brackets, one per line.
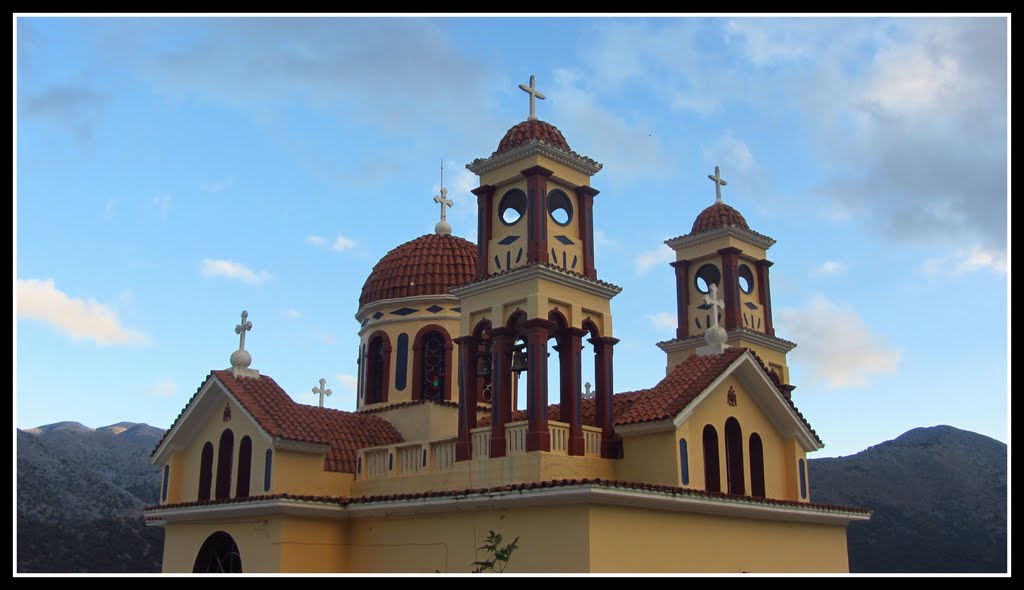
[484, 369]
[518, 361]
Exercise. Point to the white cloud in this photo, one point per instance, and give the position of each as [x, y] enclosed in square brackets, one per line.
[837, 346]
[217, 186]
[41, 300]
[163, 388]
[347, 381]
[664, 320]
[829, 267]
[315, 240]
[293, 314]
[162, 204]
[232, 270]
[648, 259]
[342, 243]
[961, 262]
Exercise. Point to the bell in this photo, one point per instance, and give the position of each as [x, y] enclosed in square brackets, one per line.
[485, 366]
[518, 361]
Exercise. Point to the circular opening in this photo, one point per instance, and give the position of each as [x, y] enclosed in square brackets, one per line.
[746, 279]
[706, 276]
[560, 207]
[512, 206]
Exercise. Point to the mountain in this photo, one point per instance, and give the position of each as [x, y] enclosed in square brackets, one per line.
[85, 487]
[938, 498]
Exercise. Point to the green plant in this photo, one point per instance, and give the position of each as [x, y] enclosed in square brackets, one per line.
[499, 555]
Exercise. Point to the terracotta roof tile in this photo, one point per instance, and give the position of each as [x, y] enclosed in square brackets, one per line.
[429, 265]
[532, 130]
[718, 215]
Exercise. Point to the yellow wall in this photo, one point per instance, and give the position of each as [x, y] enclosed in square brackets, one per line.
[426, 421]
[624, 540]
[313, 545]
[710, 248]
[650, 458]
[303, 474]
[257, 540]
[501, 177]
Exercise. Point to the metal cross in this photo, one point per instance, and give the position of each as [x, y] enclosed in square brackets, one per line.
[715, 303]
[719, 183]
[441, 199]
[534, 94]
[241, 329]
[322, 391]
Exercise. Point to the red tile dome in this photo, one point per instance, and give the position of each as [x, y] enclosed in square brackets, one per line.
[716, 216]
[429, 265]
[530, 130]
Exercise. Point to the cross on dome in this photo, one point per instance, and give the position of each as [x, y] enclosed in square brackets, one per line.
[443, 228]
[719, 183]
[320, 390]
[534, 94]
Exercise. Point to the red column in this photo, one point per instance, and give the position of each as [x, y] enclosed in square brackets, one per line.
[682, 298]
[764, 294]
[538, 438]
[537, 213]
[585, 199]
[730, 286]
[484, 204]
[501, 384]
[610, 447]
[569, 348]
[468, 346]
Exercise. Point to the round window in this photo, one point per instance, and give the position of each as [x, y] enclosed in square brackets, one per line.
[512, 206]
[706, 276]
[746, 279]
[560, 207]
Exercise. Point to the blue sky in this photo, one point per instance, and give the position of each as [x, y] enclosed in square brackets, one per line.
[171, 172]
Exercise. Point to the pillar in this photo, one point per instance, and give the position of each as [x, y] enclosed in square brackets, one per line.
[764, 294]
[570, 346]
[501, 387]
[484, 208]
[468, 346]
[730, 285]
[538, 330]
[682, 298]
[585, 203]
[537, 213]
[610, 447]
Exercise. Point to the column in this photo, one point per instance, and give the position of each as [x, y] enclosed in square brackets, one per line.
[764, 294]
[730, 286]
[538, 438]
[484, 205]
[610, 447]
[569, 348]
[468, 346]
[682, 298]
[585, 203]
[501, 387]
[537, 213]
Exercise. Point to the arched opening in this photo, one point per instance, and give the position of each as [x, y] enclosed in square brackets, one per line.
[244, 467]
[205, 472]
[803, 480]
[432, 364]
[163, 489]
[712, 477]
[756, 466]
[684, 463]
[734, 456]
[267, 469]
[378, 365]
[485, 364]
[218, 555]
[224, 457]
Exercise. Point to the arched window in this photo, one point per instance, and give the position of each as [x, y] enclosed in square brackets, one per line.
[734, 456]
[803, 480]
[712, 478]
[224, 456]
[756, 466]
[167, 476]
[432, 364]
[218, 555]
[244, 467]
[378, 365]
[267, 470]
[684, 463]
[205, 472]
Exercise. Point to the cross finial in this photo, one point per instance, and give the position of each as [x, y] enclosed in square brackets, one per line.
[715, 303]
[534, 94]
[241, 329]
[442, 228]
[322, 391]
[587, 393]
[719, 183]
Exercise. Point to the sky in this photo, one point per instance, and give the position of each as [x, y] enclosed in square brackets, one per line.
[172, 172]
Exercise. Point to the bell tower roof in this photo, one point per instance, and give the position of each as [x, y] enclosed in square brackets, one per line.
[531, 130]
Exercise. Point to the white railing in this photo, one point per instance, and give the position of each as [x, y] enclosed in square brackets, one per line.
[481, 438]
[443, 455]
[591, 441]
[411, 459]
[376, 463]
[559, 437]
[515, 437]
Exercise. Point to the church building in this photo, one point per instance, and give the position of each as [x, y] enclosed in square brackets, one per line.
[703, 472]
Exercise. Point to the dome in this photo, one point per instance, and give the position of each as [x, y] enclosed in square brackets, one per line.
[530, 130]
[716, 216]
[429, 265]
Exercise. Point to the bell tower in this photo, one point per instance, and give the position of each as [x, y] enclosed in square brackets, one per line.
[535, 280]
[721, 251]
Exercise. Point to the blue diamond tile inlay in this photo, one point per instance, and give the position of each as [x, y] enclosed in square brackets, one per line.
[749, 305]
[457, 309]
[508, 240]
[378, 315]
[434, 308]
[404, 311]
[704, 306]
[565, 240]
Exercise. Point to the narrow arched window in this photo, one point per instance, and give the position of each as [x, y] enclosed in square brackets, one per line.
[267, 470]
[205, 472]
[756, 466]
[684, 463]
[224, 456]
[734, 456]
[167, 475]
[244, 467]
[712, 477]
[434, 372]
[377, 369]
[803, 480]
